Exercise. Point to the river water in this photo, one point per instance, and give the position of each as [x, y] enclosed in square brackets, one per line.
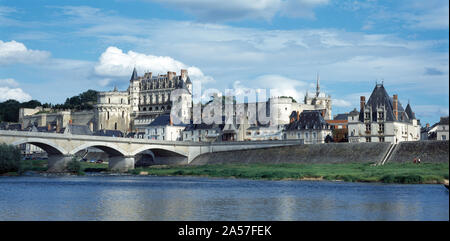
[197, 198]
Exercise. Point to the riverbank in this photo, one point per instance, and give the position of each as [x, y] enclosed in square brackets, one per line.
[407, 173]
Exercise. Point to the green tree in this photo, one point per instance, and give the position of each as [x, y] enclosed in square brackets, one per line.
[10, 159]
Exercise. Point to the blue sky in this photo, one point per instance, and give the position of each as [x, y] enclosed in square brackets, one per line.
[51, 50]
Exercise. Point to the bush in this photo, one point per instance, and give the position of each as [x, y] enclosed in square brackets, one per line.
[74, 166]
[408, 179]
[10, 159]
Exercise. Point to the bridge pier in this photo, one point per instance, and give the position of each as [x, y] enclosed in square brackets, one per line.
[58, 163]
[121, 163]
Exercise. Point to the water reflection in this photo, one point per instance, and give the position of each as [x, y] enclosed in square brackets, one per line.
[170, 198]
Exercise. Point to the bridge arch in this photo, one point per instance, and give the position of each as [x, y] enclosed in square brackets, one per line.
[48, 146]
[161, 155]
[110, 149]
[156, 148]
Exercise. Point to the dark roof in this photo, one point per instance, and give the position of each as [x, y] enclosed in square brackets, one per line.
[113, 133]
[444, 120]
[164, 120]
[409, 112]
[341, 117]
[77, 130]
[188, 80]
[11, 127]
[353, 112]
[380, 97]
[309, 119]
[134, 75]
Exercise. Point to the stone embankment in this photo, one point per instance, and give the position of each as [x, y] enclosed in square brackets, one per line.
[427, 151]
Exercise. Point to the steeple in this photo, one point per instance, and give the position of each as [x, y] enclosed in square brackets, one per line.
[318, 86]
[134, 76]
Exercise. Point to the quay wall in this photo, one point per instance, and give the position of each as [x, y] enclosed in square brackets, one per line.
[372, 152]
[427, 151]
[311, 153]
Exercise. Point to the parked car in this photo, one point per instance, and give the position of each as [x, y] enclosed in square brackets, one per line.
[92, 161]
[99, 161]
[83, 160]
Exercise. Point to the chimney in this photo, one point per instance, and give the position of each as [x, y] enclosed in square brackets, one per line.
[395, 105]
[169, 75]
[362, 102]
[184, 74]
[91, 126]
[323, 113]
[49, 127]
[428, 125]
[298, 115]
[58, 128]
[70, 122]
[170, 121]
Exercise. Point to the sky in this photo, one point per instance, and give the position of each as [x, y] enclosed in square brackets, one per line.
[54, 49]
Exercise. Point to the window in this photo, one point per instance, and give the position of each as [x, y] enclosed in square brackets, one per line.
[444, 138]
[107, 115]
[109, 100]
[367, 139]
[380, 115]
[314, 135]
[115, 126]
[381, 128]
[123, 114]
[306, 135]
[299, 135]
[367, 127]
[381, 139]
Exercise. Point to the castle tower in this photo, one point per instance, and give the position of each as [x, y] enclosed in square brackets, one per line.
[133, 91]
[317, 86]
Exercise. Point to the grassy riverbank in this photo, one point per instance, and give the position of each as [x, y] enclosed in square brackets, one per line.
[350, 172]
[41, 166]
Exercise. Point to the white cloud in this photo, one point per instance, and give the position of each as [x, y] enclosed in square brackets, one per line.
[16, 52]
[277, 84]
[13, 93]
[210, 10]
[341, 103]
[8, 82]
[9, 90]
[115, 63]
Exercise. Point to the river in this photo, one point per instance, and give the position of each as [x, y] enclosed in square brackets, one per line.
[197, 198]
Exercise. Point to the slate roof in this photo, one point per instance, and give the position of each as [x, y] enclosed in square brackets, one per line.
[77, 130]
[444, 120]
[134, 75]
[380, 97]
[164, 120]
[112, 133]
[341, 117]
[309, 119]
[409, 112]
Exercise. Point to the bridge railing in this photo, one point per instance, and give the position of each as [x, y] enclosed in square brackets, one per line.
[27, 134]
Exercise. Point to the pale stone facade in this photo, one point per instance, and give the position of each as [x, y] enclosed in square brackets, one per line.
[382, 119]
[112, 111]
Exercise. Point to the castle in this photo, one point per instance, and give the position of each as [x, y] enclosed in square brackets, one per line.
[146, 98]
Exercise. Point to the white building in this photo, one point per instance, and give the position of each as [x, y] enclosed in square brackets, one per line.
[309, 126]
[163, 129]
[442, 132]
[382, 119]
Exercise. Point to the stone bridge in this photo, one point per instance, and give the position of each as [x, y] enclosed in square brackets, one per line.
[61, 148]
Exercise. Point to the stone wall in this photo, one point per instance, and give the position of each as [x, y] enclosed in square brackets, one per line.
[314, 153]
[427, 151]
